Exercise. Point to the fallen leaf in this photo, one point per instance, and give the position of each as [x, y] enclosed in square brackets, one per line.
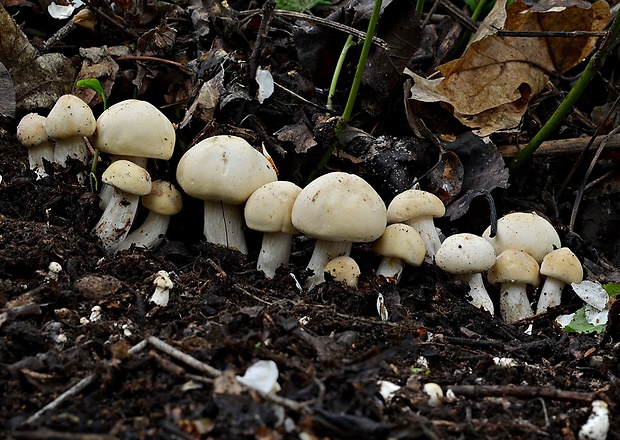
[299, 134]
[7, 94]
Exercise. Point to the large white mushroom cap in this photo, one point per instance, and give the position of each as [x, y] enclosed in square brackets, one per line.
[269, 207]
[340, 207]
[69, 117]
[465, 253]
[135, 128]
[128, 177]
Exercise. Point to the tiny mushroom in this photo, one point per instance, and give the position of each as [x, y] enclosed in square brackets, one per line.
[417, 208]
[163, 201]
[337, 209]
[130, 181]
[434, 392]
[31, 133]
[344, 269]
[467, 256]
[526, 231]
[68, 122]
[163, 284]
[399, 244]
[560, 266]
[224, 171]
[514, 270]
[268, 210]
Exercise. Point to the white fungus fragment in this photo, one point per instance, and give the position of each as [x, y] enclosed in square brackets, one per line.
[597, 426]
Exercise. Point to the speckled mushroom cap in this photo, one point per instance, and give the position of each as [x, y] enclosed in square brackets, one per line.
[401, 241]
[344, 269]
[31, 130]
[465, 253]
[414, 203]
[340, 207]
[128, 177]
[223, 168]
[135, 128]
[562, 264]
[269, 207]
[514, 266]
[526, 231]
[70, 116]
[164, 198]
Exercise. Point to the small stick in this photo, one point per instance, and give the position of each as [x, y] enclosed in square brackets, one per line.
[261, 37]
[563, 146]
[524, 392]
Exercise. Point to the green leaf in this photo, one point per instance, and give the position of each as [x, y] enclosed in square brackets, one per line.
[580, 325]
[612, 289]
[94, 84]
[300, 5]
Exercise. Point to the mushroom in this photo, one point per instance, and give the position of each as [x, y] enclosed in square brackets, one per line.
[514, 269]
[224, 171]
[399, 244]
[163, 284]
[268, 210]
[31, 133]
[434, 392]
[560, 266]
[417, 208]
[163, 201]
[467, 256]
[337, 209]
[130, 181]
[344, 269]
[526, 231]
[68, 122]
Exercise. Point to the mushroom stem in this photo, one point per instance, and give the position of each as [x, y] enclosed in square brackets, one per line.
[479, 296]
[324, 251]
[391, 268]
[428, 232]
[149, 235]
[223, 225]
[70, 148]
[550, 294]
[36, 155]
[116, 220]
[275, 252]
[513, 302]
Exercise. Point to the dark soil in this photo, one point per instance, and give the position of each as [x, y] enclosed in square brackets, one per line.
[329, 344]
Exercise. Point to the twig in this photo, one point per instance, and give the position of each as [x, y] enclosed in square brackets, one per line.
[459, 15]
[523, 392]
[550, 34]
[299, 97]
[156, 59]
[110, 19]
[50, 434]
[261, 37]
[562, 146]
[185, 358]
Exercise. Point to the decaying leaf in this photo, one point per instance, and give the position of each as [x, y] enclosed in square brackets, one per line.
[207, 101]
[7, 93]
[299, 134]
[490, 86]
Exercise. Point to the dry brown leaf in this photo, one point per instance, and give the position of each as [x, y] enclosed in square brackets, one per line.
[490, 86]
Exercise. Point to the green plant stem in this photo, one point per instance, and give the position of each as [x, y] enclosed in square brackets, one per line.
[592, 68]
[475, 15]
[336, 76]
[419, 7]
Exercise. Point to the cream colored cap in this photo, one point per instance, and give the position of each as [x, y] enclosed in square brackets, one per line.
[465, 253]
[514, 266]
[31, 130]
[414, 203]
[340, 207]
[562, 264]
[128, 177]
[401, 241]
[344, 269]
[223, 168]
[135, 128]
[269, 207]
[70, 116]
[163, 199]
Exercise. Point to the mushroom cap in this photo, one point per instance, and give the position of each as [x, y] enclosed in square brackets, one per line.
[401, 241]
[269, 207]
[70, 116]
[526, 231]
[128, 177]
[514, 266]
[164, 198]
[562, 264]
[223, 168]
[340, 207]
[31, 130]
[465, 253]
[412, 204]
[135, 128]
[344, 269]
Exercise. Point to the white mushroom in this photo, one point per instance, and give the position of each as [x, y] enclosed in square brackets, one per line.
[337, 209]
[130, 181]
[31, 133]
[344, 269]
[514, 270]
[434, 392]
[560, 266]
[399, 244]
[467, 256]
[163, 201]
[224, 171]
[268, 210]
[69, 121]
[417, 208]
[163, 284]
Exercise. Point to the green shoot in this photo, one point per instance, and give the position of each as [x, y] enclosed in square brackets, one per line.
[300, 5]
[334, 83]
[419, 8]
[94, 84]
